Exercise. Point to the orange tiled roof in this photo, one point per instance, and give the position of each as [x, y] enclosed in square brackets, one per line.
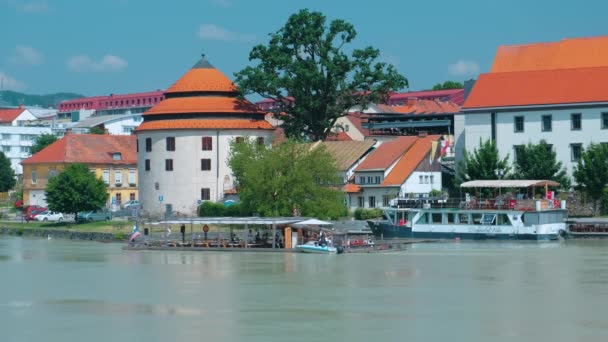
[203, 104]
[574, 53]
[204, 124]
[9, 115]
[88, 149]
[427, 107]
[340, 136]
[543, 87]
[387, 153]
[202, 80]
[410, 161]
[351, 188]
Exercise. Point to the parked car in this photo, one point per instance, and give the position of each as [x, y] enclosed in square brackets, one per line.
[132, 204]
[49, 216]
[31, 211]
[94, 215]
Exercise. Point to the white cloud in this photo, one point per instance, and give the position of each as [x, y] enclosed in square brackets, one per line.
[9, 83]
[27, 55]
[109, 63]
[35, 6]
[223, 3]
[463, 68]
[214, 32]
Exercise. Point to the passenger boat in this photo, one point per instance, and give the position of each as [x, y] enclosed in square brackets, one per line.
[539, 221]
[314, 247]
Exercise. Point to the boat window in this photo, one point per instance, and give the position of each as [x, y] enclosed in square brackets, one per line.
[390, 215]
[488, 219]
[463, 218]
[423, 219]
[437, 217]
[476, 218]
[451, 217]
[503, 220]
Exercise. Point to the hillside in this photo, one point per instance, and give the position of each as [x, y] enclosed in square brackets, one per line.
[13, 98]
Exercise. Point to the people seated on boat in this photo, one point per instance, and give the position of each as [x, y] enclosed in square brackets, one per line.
[329, 241]
[257, 237]
[322, 240]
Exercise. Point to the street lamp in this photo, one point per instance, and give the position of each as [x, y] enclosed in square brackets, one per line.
[499, 173]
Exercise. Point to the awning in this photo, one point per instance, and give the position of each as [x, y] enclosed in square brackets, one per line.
[312, 222]
[508, 183]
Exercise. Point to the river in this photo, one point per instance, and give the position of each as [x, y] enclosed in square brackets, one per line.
[56, 290]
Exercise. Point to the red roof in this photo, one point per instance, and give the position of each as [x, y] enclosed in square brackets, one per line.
[340, 136]
[351, 188]
[387, 153]
[410, 161]
[543, 87]
[453, 95]
[202, 79]
[357, 120]
[587, 52]
[204, 104]
[88, 149]
[236, 123]
[9, 115]
[427, 107]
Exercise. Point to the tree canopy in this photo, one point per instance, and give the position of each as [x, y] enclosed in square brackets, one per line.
[539, 161]
[448, 85]
[286, 178]
[482, 163]
[305, 69]
[42, 141]
[76, 189]
[7, 175]
[96, 130]
[591, 172]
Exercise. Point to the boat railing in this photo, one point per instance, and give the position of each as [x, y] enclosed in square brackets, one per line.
[479, 204]
[589, 227]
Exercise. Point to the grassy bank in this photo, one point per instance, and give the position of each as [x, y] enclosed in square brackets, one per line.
[88, 227]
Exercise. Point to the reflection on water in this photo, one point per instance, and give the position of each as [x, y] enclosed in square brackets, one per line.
[462, 291]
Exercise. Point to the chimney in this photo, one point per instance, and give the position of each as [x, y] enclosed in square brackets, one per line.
[411, 101]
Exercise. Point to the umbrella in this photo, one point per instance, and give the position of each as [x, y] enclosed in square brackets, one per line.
[312, 222]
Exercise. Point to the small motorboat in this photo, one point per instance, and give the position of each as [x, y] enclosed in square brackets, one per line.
[314, 247]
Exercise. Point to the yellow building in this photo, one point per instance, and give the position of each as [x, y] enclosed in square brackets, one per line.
[112, 158]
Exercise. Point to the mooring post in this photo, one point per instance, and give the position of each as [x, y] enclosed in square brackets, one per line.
[274, 233]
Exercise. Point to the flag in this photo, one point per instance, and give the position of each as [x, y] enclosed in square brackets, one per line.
[433, 150]
[444, 148]
[134, 233]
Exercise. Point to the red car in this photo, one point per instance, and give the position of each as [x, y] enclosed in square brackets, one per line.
[31, 211]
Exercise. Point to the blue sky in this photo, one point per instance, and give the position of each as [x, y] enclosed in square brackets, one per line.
[98, 47]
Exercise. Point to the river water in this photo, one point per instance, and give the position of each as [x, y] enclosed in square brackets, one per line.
[54, 290]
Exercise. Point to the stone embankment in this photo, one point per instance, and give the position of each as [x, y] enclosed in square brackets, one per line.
[62, 234]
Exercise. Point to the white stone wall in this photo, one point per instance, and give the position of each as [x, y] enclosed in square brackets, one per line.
[417, 185]
[182, 187]
[352, 200]
[561, 135]
[16, 142]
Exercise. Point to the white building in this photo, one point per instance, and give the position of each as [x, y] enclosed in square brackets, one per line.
[16, 137]
[405, 167]
[184, 141]
[549, 91]
[114, 124]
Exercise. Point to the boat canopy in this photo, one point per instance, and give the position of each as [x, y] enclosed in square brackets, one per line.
[508, 183]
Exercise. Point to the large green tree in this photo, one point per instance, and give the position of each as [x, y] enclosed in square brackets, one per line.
[482, 163]
[290, 176]
[42, 141]
[313, 76]
[591, 172]
[7, 175]
[539, 161]
[76, 189]
[448, 85]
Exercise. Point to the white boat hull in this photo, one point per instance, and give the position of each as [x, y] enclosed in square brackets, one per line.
[316, 249]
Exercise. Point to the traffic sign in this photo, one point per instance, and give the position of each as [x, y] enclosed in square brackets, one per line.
[199, 202]
[160, 198]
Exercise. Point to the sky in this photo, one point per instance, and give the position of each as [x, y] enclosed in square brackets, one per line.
[98, 47]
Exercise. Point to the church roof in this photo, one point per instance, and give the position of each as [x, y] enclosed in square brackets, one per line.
[204, 104]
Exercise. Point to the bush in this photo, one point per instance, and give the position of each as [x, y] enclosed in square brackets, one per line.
[605, 202]
[211, 209]
[366, 214]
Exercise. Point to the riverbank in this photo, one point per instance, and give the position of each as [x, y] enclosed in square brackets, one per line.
[63, 234]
